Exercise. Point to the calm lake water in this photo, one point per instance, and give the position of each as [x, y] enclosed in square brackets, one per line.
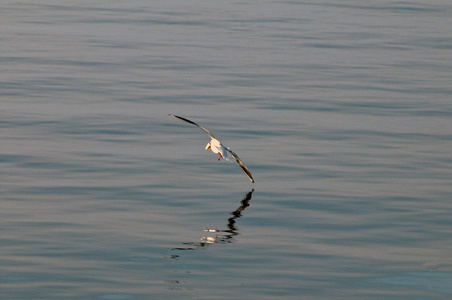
[342, 111]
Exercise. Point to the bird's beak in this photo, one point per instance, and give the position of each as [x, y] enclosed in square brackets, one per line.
[208, 146]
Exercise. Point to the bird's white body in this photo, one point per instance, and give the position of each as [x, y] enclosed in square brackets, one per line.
[218, 148]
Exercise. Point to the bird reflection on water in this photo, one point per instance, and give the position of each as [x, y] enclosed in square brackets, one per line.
[225, 236]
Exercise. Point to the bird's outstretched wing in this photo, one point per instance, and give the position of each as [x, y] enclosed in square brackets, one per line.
[193, 123]
[241, 165]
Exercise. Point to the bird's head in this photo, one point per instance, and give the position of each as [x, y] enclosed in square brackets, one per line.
[208, 146]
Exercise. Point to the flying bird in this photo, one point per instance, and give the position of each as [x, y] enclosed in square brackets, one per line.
[217, 147]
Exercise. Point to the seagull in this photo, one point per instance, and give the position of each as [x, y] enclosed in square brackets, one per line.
[218, 148]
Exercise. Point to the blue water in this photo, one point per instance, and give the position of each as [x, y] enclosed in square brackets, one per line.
[341, 110]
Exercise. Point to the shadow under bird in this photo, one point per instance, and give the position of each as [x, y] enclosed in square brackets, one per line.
[217, 147]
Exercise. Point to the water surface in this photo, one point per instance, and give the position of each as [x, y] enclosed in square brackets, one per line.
[341, 111]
